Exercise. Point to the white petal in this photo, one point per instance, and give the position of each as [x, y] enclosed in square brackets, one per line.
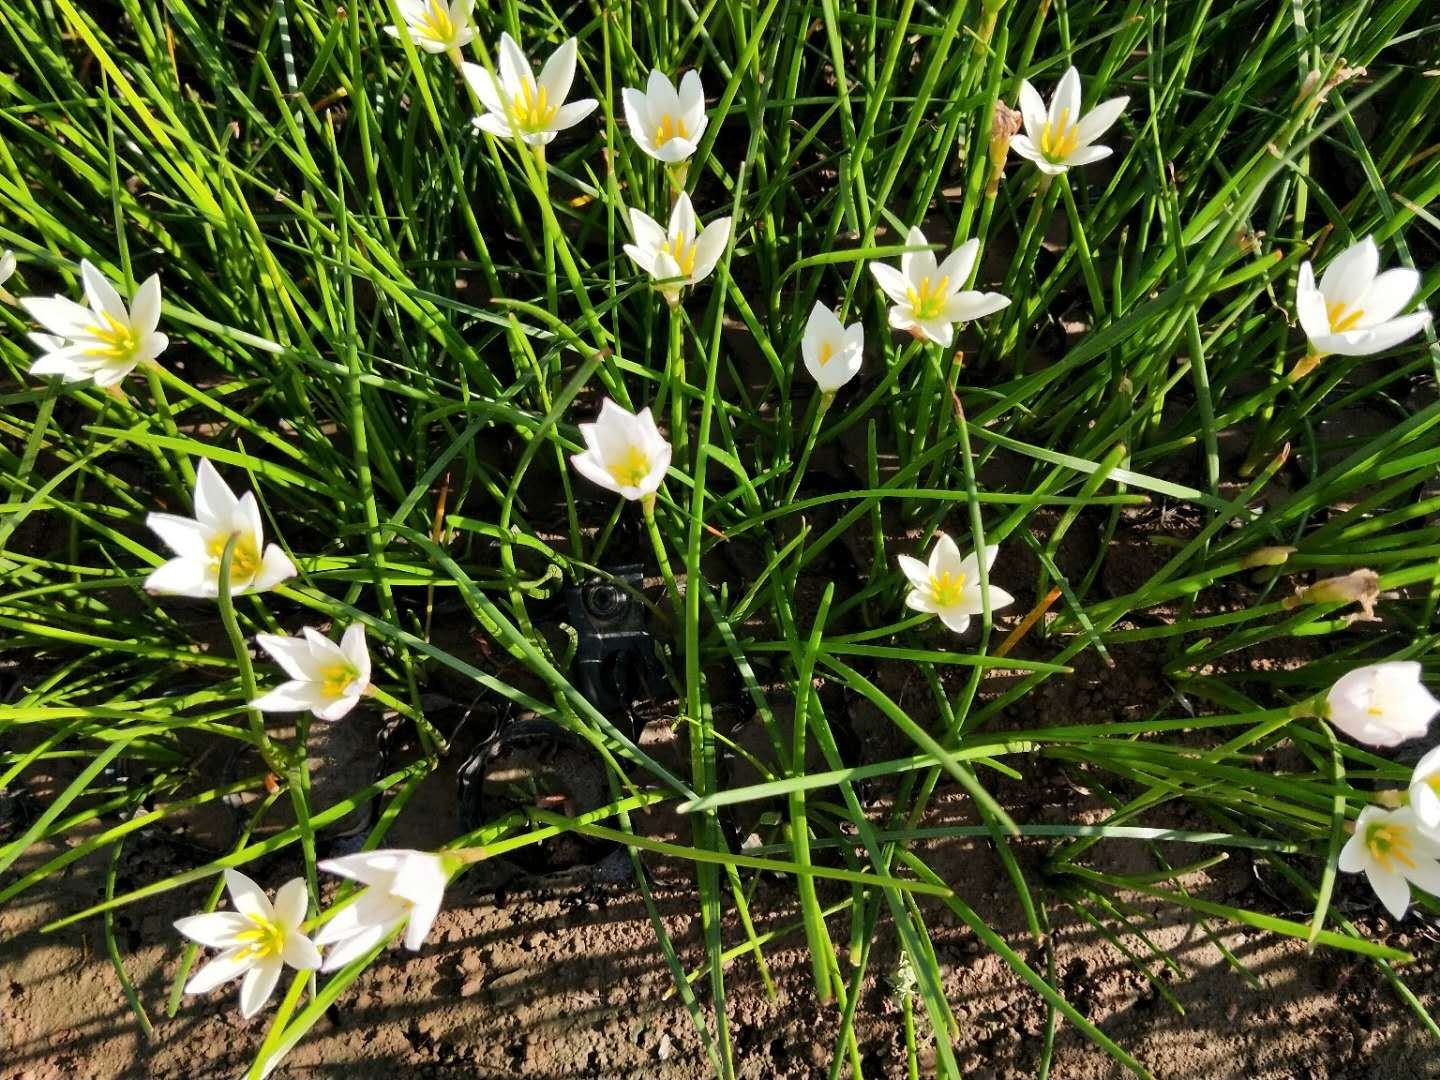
[558, 74]
[959, 263]
[1032, 111]
[494, 123]
[1392, 890]
[353, 948]
[999, 598]
[186, 537]
[514, 68]
[291, 903]
[956, 619]
[1087, 155]
[1355, 856]
[1099, 120]
[567, 116]
[940, 331]
[915, 571]
[337, 708]
[226, 966]
[352, 645]
[145, 309]
[709, 247]
[920, 263]
[969, 305]
[1310, 304]
[247, 897]
[484, 85]
[181, 577]
[367, 867]
[259, 984]
[1022, 145]
[101, 295]
[293, 696]
[682, 219]
[692, 104]
[637, 118]
[1376, 338]
[894, 284]
[275, 567]
[217, 929]
[291, 653]
[1066, 101]
[919, 600]
[1350, 273]
[59, 315]
[215, 503]
[300, 952]
[1388, 295]
[945, 556]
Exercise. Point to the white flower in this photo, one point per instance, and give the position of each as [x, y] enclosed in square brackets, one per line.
[258, 940]
[104, 341]
[1058, 138]
[1382, 704]
[434, 26]
[832, 351]
[1353, 312]
[519, 104]
[624, 452]
[665, 124]
[326, 678]
[405, 886]
[199, 544]
[1425, 792]
[7, 271]
[679, 257]
[1394, 853]
[930, 299]
[950, 585]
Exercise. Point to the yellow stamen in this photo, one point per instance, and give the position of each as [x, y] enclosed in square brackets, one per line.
[532, 108]
[632, 469]
[264, 939]
[119, 339]
[827, 351]
[435, 23]
[1058, 140]
[928, 301]
[334, 679]
[243, 564]
[946, 589]
[1387, 842]
[670, 128]
[682, 253]
[1339, 320]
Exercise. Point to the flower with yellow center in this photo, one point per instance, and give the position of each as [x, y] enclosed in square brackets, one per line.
[1395, 853]
[1382, 704]
[258, 939]
[1355, 310]
[433, 25]
[929, 299]
[199, 544]
[1060, 137]
[949, 585]
[682, 255]
[664, 122]
[7, 271]
[104, 341]
[517, 104]
[405, 888]
[624, 452]
[832, 351]
[325, 678]
[1425, 793]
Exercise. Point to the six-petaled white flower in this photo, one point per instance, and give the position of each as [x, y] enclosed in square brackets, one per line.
[929, 299]
[624, 452]
[666, 123]
[832, 350]
[1059, 138]
[1355, 310]
[1394, 852]
[433, 25]
[517, 103]
[199, 544]
[258, 939]
[104, 341]
[683, 255]
[1382, 704]
[405, 887]
[949, 586]
[325, 678]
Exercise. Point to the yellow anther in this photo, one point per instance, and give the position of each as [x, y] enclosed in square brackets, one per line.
[670, 128]
[334, 679]
[827, 351]
[1058, 140]
[118, 338]
[532, 108]
[1390, 842]
[632, 469]
[928, 301]
[947, 589]
[682, 253]
[264, 938]
[243, 563]
[435, 23]
[1339, 320]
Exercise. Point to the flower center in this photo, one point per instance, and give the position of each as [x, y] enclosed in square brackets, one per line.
[927, 300]
[435, 23]
[336, 678]
[1058, 140]
[1390, 842]
[632, 469]
[827, 351]
[532, 108]
[1340, 321]
[243, 563]
[670, 128]
[117, 339]
[946, 589]
[682, 253]
[264, 938]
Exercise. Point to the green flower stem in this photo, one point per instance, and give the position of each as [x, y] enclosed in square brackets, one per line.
[647, 505]
[1087, 261]
[799, 474]
[678, 433]
[274, 759]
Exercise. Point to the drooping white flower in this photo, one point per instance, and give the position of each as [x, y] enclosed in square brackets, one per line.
[433, 25]
[679, 256]
[1354, 310]
[1425, 792]
[7, 271]
[258, 939]
[325, 678]
[1382, 704]
[929, 299]
[832, 350]
[104, 341]
[666, 123]
[405, 887]
[517, 103]
[1394, 852]
[199, 544]
[949, 586]
[1059, 138]
[624, 452]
